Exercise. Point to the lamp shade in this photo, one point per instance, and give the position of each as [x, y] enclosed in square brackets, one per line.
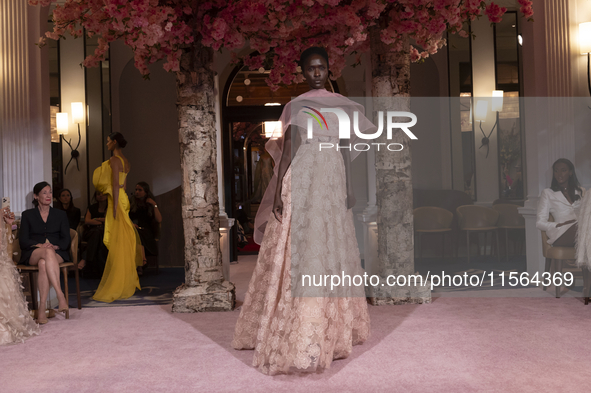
[585, 37]
[480, 111]
[497, 101]
[273, 129]
[61, 121]
[77, 112]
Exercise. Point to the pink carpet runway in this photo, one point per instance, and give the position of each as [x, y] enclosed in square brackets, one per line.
[455, 344]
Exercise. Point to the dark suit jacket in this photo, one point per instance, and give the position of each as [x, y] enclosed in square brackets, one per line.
[34, 231]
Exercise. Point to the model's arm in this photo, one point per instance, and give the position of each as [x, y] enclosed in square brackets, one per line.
[115, 168]
[157, 215]
[350, 202]
[542, 222]
[284, 163]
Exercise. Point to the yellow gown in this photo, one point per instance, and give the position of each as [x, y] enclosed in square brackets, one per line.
[120, 277]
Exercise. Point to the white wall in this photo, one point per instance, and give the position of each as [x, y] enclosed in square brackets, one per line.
[72, 90]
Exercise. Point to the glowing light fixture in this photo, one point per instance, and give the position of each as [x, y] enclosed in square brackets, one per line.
[61, 120]
[77, 112]
[273, 129]
[480, 111]
[497, 101]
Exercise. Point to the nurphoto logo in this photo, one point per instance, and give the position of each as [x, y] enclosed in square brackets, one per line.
[345, 128]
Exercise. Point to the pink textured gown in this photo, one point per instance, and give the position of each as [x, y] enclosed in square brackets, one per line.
[290, 332]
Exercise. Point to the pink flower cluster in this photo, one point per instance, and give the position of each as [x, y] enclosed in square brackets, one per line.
[153, 29]
[278, 29]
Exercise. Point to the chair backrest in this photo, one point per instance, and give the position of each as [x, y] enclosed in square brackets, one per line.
[431, 217]
[509, 215]
[474, 217]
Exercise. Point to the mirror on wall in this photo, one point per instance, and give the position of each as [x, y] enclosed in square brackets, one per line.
[507, 71]
[98, 106]
[461, 116]
[55, 105]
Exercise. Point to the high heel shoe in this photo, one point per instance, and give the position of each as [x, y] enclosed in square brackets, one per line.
[42, 321]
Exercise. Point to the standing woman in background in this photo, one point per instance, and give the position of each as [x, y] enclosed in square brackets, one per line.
[120, 278]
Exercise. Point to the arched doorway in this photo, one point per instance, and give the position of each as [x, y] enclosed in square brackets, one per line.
[247, 103]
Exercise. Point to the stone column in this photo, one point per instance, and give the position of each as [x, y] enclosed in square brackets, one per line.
[391, 78]
[205, 288]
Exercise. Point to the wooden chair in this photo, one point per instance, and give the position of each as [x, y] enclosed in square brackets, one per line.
[509, 219]
[32, 270]
[474, 218]
[431, 219]
[554, 263]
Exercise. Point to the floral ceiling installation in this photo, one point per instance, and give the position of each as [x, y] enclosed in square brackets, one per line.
[278, 30]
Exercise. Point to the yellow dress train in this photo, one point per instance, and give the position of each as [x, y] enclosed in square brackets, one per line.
[120, 277]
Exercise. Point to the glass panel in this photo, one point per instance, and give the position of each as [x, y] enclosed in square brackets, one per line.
[55, 102]
[461, 118]
[509, 119]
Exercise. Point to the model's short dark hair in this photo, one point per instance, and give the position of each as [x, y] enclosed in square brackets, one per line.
[315, 50]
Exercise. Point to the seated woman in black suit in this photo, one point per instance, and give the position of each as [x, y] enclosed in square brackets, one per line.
[65, 203]
[44, 238]
[145, 216]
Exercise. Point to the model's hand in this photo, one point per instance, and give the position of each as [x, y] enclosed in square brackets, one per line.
[151, 201]
[278, 207]
[566, 223]
[115, 213]
[8, 215]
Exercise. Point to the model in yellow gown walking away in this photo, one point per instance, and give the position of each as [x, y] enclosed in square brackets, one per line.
[120, 277]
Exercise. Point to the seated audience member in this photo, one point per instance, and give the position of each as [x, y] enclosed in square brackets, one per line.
[44, 238]
[66, 204]
[146, 217]
[563, 201]
[95, 253]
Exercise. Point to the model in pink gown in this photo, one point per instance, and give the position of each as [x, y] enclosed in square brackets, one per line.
[290, 332]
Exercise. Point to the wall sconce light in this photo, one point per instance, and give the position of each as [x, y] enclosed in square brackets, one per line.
[273, 129]
[585, 46]
[481, 111]
[77, 117]
[61, 122]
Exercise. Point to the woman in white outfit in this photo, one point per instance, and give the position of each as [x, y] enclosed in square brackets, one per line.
[563, 201]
